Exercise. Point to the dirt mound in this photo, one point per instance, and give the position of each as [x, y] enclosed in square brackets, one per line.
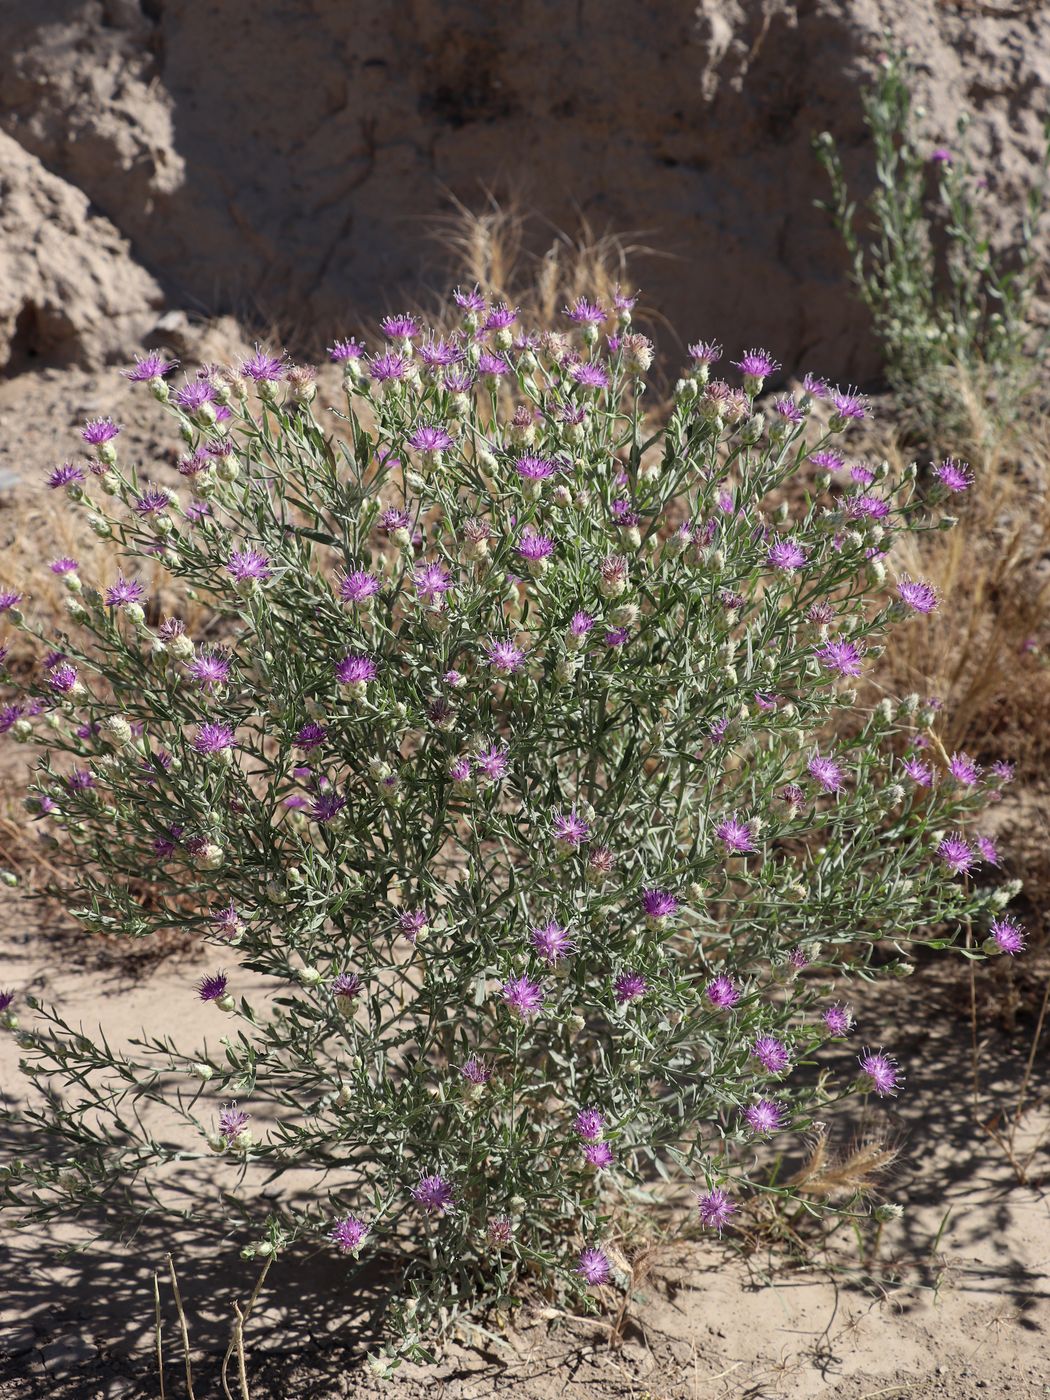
[285, 162]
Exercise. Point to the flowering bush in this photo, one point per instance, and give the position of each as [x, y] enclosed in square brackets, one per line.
[516, 779]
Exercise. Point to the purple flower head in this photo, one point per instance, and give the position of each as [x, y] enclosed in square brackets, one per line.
[828, 461]
[989, 852]
[124, 591]
[1003, 771]
[765, 1117]
[837, 1019]
[504, 656]
[792, 794]
[194, 395]
[735, 835]
[628, 987]
[849, 405]
[430, 439]
[552, 942]
[589, 1124]
[246, 565]
[399, 327]
[816, 387]
[591, 376]
[9, 600]
[227, 921]
[715, 1209]
[826, 772]
[68, 474]
[151, 366]
[955, 475]
[534, 468]
[523, 996]
[843, 657]
[431, 581]
[1008, 935]
[722, 993]
[786, 554]
[440, 354]
[325, 807]
[492, 364]
[63, 679]
[469, 301]
[658, 904]
[963, 769]
[492, 762]
[789, 410]
[6, 998]
[756, 364]
[63, 566]
[919, 772]
[9, 716]
[705, 352]
[598, 1155]
[500, 1230]
[594, 1266]
[880, 1071]
[957, 854]
[771, 1053]
[584, 312]
[570, 829]
[80, 780]
[475, 1071]
[861, 474]
[232, 1122]
[263, 368]
[355, 670]
[412, 922]
[387, 366]
[342, 351]
[213, 738]
[617, 637]
[212, 987]
[434, 1194]
[210, 669]
[348, 1235]
[941, 155]
[917, 594]
[97, 431]
[499, 318]
[867, 508]
[347, 985]
[358, 587]
[311, 736]
[152, 502]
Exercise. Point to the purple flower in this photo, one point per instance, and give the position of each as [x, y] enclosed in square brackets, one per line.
[829, 461]
[880, 1072]
[1003, 771]
[227, 921]
[534, 547]
[756, 365]
[499, 318]
[63, 679]
[344, 350]
[9, 600]
[570, 830]
[581, 624]
[826, 772]
[658, 904]
[325, 807]
[210, 669]
[715, 1209]
[248, 564]
[963, 769]
[552, 942]
[6, 998]
[837, 1019]
[475, 1071]
[589, 1124]
[97, 431]
[213, 738]
[919, 772]
[816, 387]
[861, 474]
[591, 376]
[523, 996]
[721, 993]
[1008, 935]
[399, 327]
[628, 987]
[917, 594]
[492, 762]
[124, 591]
[358, 586]
[412, 922]
[152, 366]
[80, 780]
[212, 987]
[311, 736]
[849, 405]
[434, 1193]
[355, 670]
[941, 155]
[504, 656]
[843, 657]
[430, 439]
[232, 1122]
[955, 475]
[534, 468]
[263, 368]
[789, 410]
[492, 364]
[956, 854]
[469, 301]
[584, 312]
[63, 566]
[387, 366]
[617, 637]
[764, 1117]
[598, 1155]
[152, 503]
[735, 835]
[771, 1053]
[500, 1230]
[705, 352]
[593, 1266]
[194, 395]
[346, 985]
[431, 581]
[68, 474]
[987, 848]
[9, 716]
[348, 1234]
[786, 554]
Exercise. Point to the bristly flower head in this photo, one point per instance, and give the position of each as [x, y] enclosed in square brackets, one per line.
[358, 586]
[247, 565]
[1007, 935]
[848, 405]
[957, 854]
[826, 772]
[598, 1155]
[880, 1072]
[570, 830]
[955, 475]
[212, 986]
[771, 1053]
[963, 769]
[828, 461]
[786, 554]
[262, 367]
[151, 366]
[434, 1194]
[344, 351]
[628, 987]
[68, 474]
[594, 1266]
[841, 656]
[765, 1117]
[705, 352]
[552, 942]
[735, 835]
[349, 1234]
[475, 1071]
[355, 670]
[715, 1209]
[590, 1124]
[347, 985]
[584, 312]
[213, 738]
[504, 656]
[721, 993]
[920, 773]
[99, 430]
[837, 1019]
[756, 365]
[428, 438]
[524, 996]
[399, 327]
[917, 594]
[124, 591]
[232, 1122]
[658, 904]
